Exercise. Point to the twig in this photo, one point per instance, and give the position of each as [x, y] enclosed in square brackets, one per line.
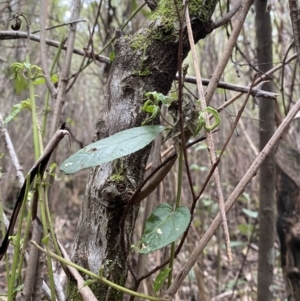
[43, 18]
[60, 25]
[11, 35]
[228, 51]
[261, 78]
[11, 150]
[257, 92]
[227, 16]
[210, 142]
[63, 80]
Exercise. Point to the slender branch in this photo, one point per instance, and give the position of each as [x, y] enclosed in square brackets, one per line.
[43, 18]
[12, 35]
[210, 141]
[261, 78]
[227, 16]
[228, 50]
[63, 80]
[257, 92]
[11, 150]
[60, 25]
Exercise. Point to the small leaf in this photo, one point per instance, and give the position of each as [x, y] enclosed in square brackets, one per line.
[250, 213]
[39, 80]
[16, 109]
[155, 97]
[26, 104]
[207, 202]
[112, 56]
[160, 278]
[20, 84]
[54, 78]
[245, 229]
[45, 240]
[19, 288]
[27, 65]
[89, 282]
[163, 227]
[52, 167]
[116, 146]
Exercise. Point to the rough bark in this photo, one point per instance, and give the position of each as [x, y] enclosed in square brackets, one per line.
[267, 171]
[288, 221]
[146, 61]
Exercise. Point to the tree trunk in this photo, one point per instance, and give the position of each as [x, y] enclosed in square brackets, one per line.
[288, 221]
[146, 61]
[267, 171]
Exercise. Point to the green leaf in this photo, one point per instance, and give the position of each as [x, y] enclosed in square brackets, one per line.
[27, 65]
[250, 213]
[52, 167]
[245, 229]
[163, 227]
[112, 56]
[16, 109]
[207, 202]
[160, 278]
[116, 146]
[45, 240]
[20, 84]
[19, 288]
[158, 98]
[89, 282]
[40, 80]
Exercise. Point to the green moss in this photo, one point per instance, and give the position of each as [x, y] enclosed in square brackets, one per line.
[144, 71]
[72, 291]
[140, 41]
[166, 13]
[165, 26]
[118, 170]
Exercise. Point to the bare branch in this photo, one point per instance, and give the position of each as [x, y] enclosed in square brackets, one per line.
[257, 92]
[11, 150]
[63, 24]
[228, 51]
[63, 80]
[227, 16]
[11, 35]
[43, 17]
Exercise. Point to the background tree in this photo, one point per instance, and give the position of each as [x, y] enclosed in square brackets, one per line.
[267, 212]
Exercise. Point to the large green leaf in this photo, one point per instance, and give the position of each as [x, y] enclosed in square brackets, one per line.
[116, 146]
[163, 227]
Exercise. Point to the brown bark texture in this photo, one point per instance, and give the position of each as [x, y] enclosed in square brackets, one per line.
[267, 211]
[146, 61]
